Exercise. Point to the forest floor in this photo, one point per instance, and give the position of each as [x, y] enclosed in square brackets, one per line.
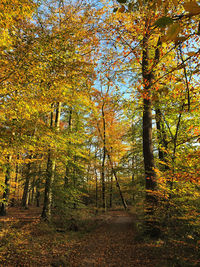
[109, 239]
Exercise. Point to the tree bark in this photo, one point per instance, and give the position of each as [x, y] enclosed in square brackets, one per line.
[133, 178]
[111, 190]
[37, 197]
[149, 166]
[33, 191]
[47, 208]
[103, 160]
[162, 139]
[117, 182]
[57, 118]
[66, 178]
[51, 165]
[16, 181]
[38, 185]
[6, 193]
[96, 188]
[25, 196]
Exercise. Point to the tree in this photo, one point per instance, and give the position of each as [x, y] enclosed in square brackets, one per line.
[109, 132]
[138, 36]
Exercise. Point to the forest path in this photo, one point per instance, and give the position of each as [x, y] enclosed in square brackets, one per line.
[113, 240]
[112, 244]
[20, 214]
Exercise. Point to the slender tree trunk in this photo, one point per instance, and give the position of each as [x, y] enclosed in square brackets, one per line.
[96, 188]
[111, 163]
[57, 118]
[171, 181]
[51, 165]
[111, 190]
[26, 192]
[16, 181]
[149, 166]
[33, 191]
[103, 180]
[66, 178]
[133, 178]
[158, 126]
[103, 161]
[37, 197]
[70, 120]
[117, 182]
[6, 193]
[38, 184]
[25, 196]
[162, 139]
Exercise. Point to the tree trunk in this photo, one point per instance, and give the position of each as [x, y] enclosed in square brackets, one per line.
[25, 196]
[66, 178]
[110, 161]
[162, 139]
[47, 208]
[133, 178]
[16, 181]
[51, 165]
[57, 118]
[159, 134]
[96, 188]
[37, 197]
[111, 190]
[149, 166]
[33, 191]
[6, 193]
[103, 161]
[38, 185]
[117, 182]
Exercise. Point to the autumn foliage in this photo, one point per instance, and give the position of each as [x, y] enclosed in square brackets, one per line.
[99, 107]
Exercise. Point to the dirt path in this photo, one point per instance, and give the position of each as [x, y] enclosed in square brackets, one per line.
[24, 215]
[111, 244]
[27, 241]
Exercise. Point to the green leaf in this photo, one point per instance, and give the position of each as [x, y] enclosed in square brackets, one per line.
[163, 22]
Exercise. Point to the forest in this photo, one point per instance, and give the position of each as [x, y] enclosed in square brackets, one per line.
[100, 133]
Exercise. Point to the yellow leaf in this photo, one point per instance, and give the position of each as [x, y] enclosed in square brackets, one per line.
[190, 54]
[159, 3]
[180, 39]
[175, 2]
[192, 7]
[179, 67]
[140, 3]
[172, 32]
